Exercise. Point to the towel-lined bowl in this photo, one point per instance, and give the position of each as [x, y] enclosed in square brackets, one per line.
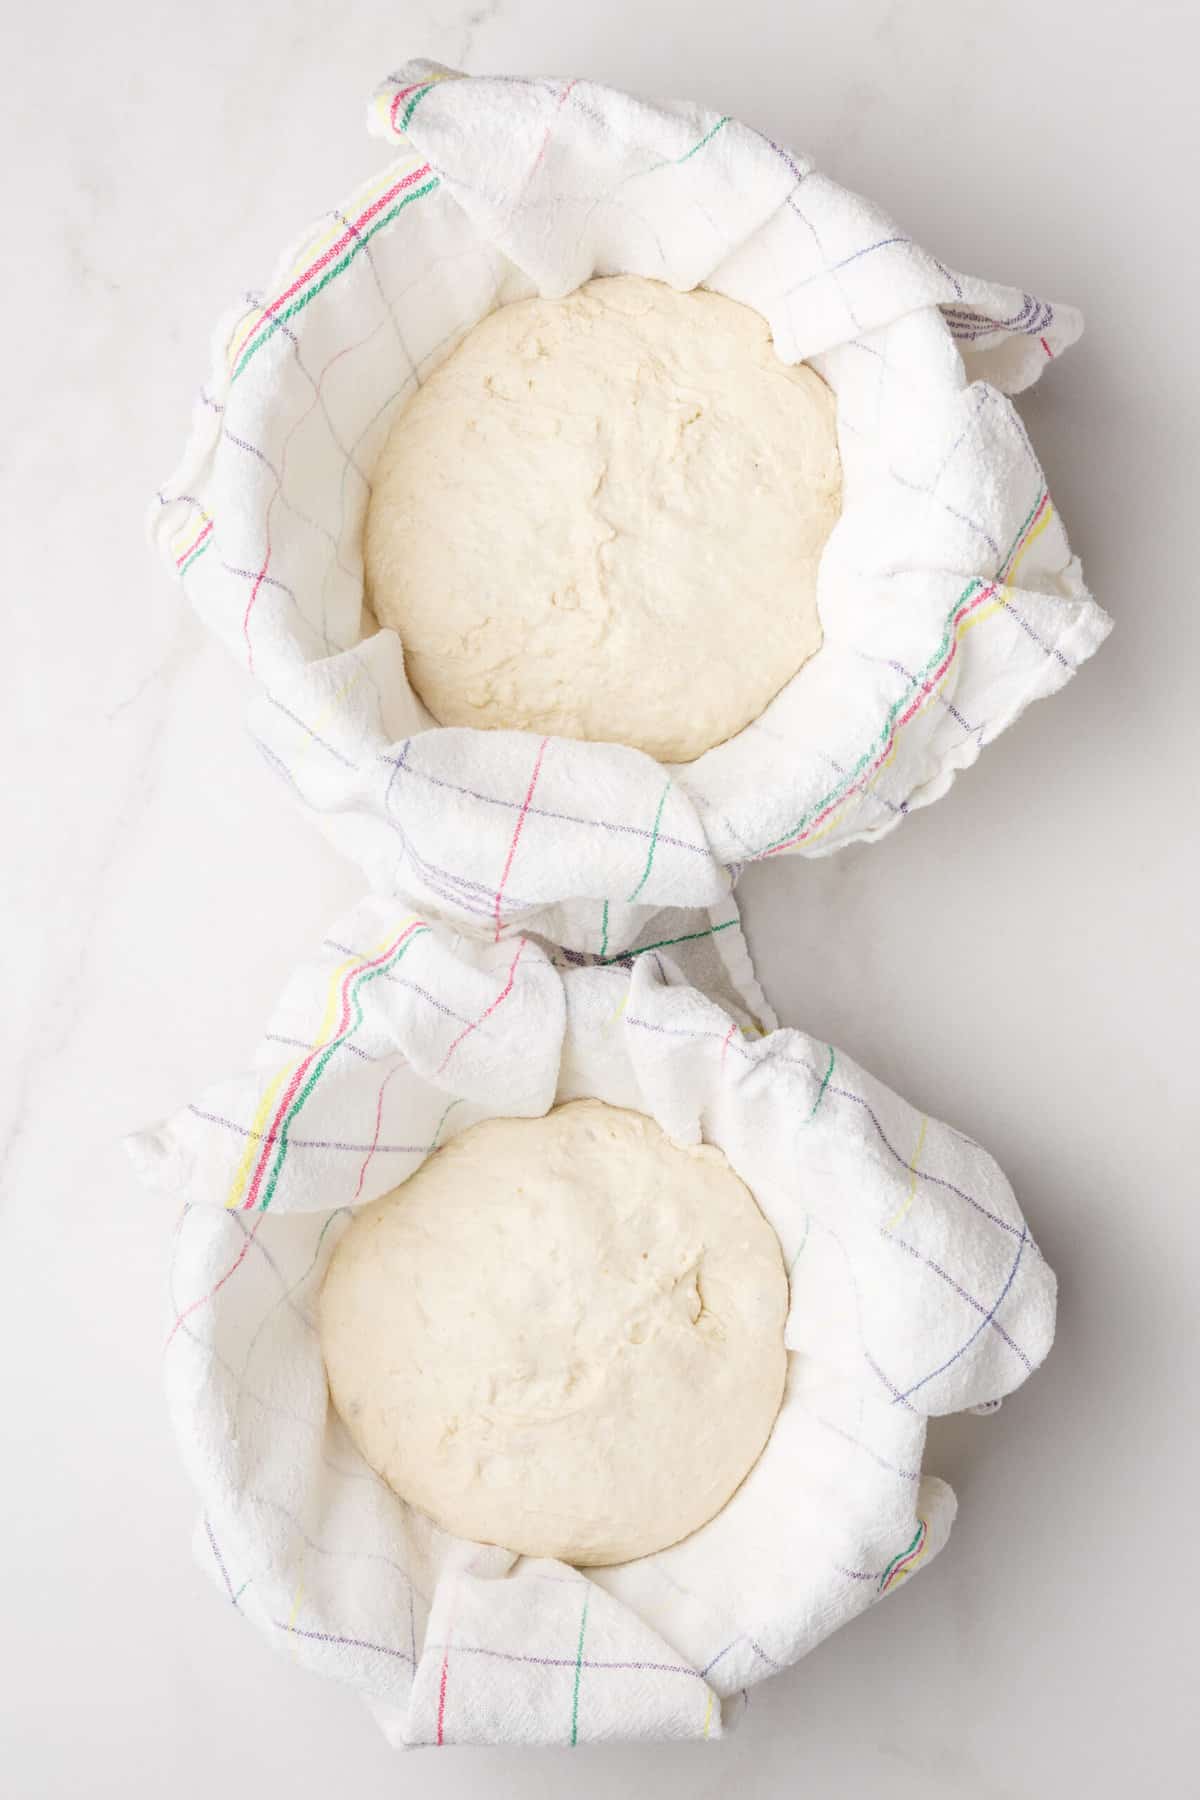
[915, 1289]
[947, 592]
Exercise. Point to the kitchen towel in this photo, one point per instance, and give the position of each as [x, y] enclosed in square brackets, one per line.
[948, 595]
[916, 1289]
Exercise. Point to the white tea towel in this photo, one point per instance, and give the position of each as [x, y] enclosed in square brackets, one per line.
[916, 1288]
[948, 595]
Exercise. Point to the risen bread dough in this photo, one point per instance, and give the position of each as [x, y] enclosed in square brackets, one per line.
[563, 1335]
[602, 518]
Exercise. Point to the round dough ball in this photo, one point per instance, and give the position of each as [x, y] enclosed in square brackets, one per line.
[563, 1335]
[602, 518]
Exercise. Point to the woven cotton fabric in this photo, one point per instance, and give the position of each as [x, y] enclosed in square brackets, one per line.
[948, 595]
[916, 1288]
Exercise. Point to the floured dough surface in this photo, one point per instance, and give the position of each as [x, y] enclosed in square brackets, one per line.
[563, 1335]
[602, 518]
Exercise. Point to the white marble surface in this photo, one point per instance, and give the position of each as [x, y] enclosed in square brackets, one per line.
[157, 157]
